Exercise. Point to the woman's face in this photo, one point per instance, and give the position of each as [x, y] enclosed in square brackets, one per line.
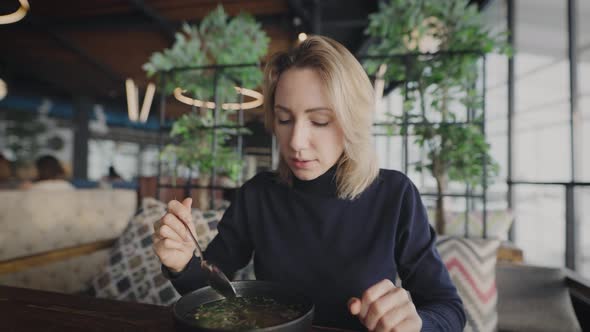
[309, 135]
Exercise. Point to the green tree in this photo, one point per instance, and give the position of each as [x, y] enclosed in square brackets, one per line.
[440, 44]
[217, 40]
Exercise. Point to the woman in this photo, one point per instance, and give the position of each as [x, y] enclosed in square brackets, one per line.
[50, 175]
[329, 222]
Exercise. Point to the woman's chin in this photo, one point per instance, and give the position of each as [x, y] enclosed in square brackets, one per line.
[306, 174]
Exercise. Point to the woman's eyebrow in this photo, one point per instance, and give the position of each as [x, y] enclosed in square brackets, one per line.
[309, 110]
[282, 108]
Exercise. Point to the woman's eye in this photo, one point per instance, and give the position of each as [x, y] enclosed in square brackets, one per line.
[320, 124]
[286, 121]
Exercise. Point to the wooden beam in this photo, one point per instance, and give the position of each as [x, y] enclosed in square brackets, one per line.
[44, 258]
[167, 27]
[173, 10]
[127, 15]
[190, 11]
[86, 57]
[52, 75]
[73, 48]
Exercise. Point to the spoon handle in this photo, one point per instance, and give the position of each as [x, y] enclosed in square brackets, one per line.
[194, 240]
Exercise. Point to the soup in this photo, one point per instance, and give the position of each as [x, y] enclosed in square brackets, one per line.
[246, 313]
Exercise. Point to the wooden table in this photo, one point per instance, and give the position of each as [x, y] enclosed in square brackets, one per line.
[33, 310]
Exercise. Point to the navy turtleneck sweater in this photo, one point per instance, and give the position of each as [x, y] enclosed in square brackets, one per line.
[332, 249]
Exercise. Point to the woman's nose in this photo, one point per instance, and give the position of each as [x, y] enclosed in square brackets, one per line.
[299, 137]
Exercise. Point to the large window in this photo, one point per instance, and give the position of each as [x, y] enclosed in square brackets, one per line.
[583, 194]
[541, 126]
[497, 107]
[130, 160]
[583, 261]
[105, 153]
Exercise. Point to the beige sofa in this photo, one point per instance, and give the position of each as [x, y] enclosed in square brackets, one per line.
[58, 240]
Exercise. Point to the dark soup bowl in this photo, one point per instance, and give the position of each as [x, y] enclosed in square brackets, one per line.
[261, 306]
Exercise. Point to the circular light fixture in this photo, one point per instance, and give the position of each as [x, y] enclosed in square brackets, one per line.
[17, 15]
[302, 36]
[178, 94]
[3, 90]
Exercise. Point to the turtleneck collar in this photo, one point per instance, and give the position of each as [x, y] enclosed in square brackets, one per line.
[324, 184]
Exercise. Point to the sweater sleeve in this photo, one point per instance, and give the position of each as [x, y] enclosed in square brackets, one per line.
[422, 271]
[230, 250]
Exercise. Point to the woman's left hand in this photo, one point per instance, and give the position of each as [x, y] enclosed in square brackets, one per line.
[385, 307]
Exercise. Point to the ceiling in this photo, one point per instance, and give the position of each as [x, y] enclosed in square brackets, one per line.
[68, 48]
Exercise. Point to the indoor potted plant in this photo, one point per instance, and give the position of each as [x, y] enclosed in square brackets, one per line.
[216, 41]
[436, 47]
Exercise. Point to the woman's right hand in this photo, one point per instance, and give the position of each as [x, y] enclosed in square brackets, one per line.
[171, 241]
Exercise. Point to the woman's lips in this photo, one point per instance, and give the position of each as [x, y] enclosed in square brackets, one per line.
[301, 164]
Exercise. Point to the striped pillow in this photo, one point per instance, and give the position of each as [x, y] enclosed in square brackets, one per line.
[472, 266]
[498, 223]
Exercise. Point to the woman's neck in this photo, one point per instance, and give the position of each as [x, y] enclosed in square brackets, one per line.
[324, 184]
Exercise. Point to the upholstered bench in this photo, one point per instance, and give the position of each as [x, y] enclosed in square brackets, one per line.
[58, 240]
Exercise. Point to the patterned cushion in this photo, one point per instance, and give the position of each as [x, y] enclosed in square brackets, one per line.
[133, 272]
[471, 263]
[498, 223]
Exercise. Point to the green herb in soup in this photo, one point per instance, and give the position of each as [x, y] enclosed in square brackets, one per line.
[245, 313]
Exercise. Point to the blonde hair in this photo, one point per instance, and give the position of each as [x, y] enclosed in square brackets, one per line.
[352, 99]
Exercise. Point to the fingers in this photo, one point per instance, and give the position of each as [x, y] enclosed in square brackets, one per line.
[173, 223]
[354, 305]
[162, 231]
[178, 217]
[167, 232]
[172, 242]
[390, 304]
[412, 324]
[384, 307]
[167, 244]
[372, 294]
[395, 317]
[187, 202]
[181, 211]
[173, 254]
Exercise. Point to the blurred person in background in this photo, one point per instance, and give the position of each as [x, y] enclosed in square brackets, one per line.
[50, 175]
[6, 179]
[106, 182]
[113, 175]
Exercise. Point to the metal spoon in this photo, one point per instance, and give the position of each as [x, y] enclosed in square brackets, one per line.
[217, 279]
